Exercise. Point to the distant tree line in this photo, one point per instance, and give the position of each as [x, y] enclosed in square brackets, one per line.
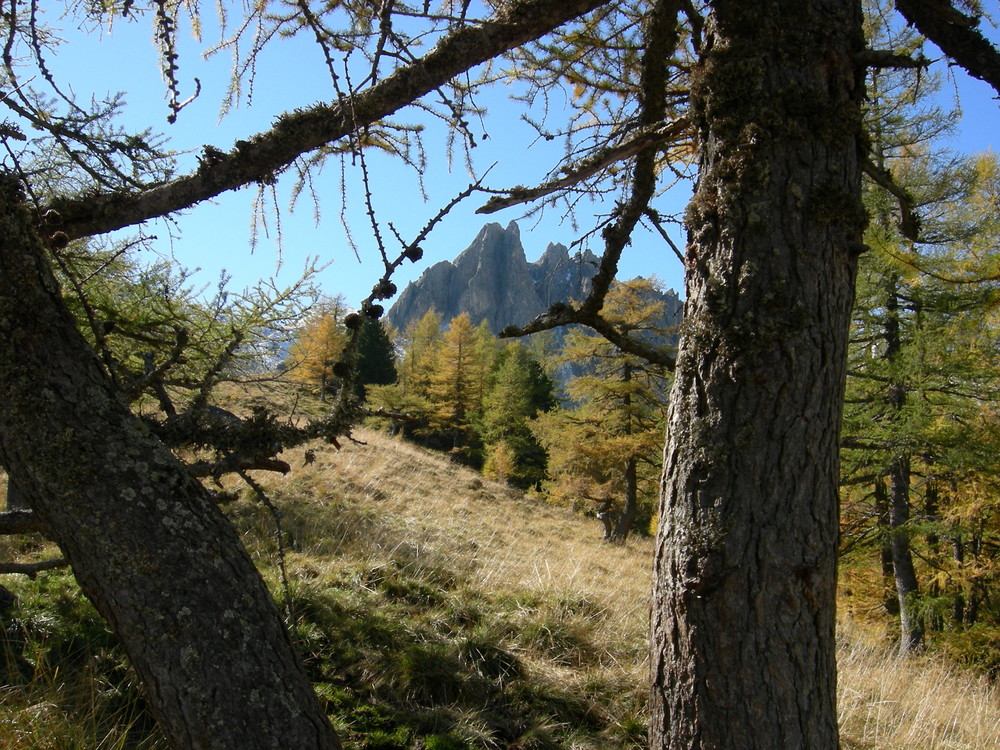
[920, 450]
[581, 422]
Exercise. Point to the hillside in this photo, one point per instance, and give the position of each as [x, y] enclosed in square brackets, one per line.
[441, 611]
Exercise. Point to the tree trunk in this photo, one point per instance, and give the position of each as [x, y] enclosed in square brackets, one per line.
[630, 506]
[745, 571]
[890, 597]
[911, 630]
[630, 479]
[958, 552]
[147, 545]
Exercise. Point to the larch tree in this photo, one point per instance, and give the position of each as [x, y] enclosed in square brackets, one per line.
[605, 446]
[745, 569]
[918, 330]
[420, 343]
[408, 399]
[457, 381]
[762, 98]
[748, 521]
[902, 128]
[145, 539]
[319, 345]
[920, 381]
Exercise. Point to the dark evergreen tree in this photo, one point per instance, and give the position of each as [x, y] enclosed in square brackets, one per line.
[376, 357]
[518, 391]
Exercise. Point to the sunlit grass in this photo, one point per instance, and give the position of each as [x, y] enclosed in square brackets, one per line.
[436, 607]
[914, 703]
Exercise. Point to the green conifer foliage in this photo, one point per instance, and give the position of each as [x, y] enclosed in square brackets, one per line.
[605, 452]
[922, 378]
[376, 358]
[520, 390]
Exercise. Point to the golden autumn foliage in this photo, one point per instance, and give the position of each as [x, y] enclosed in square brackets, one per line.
[318, 345]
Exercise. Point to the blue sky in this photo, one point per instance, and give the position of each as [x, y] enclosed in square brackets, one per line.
[216, 235]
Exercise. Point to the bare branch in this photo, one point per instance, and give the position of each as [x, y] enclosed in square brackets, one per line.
[909, 222]
[661, 41]
[153, 373]
[646, 137]
[886, 58]
[302, 131]
[657, 222]
[956, 34]
[237, 464]
[33, 569]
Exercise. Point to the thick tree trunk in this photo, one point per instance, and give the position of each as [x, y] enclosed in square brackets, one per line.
[745, 571]
[146, 543]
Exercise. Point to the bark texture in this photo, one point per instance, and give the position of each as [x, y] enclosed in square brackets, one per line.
[745, 570]
[146, 543]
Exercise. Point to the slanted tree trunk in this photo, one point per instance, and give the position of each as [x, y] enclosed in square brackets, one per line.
[147, 545]
[745, 570]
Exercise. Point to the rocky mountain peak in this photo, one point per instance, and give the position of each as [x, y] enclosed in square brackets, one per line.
[492, 280]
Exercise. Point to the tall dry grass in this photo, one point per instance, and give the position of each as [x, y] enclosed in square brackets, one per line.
[511, 542]
[446, 515]
[378, 502]
[915, 703]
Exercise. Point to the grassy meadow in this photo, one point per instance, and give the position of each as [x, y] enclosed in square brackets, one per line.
[437, 610]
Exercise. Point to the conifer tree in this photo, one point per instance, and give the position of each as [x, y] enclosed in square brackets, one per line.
[420, 343]
[486, 349]
[376, 357]
[765, 98]
[456, 383]
[920, 379]
[914, 323]
[606, 450]
[519, 390]
[319, 345]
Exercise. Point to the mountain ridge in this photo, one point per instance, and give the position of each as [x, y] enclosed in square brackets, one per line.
[493, 280]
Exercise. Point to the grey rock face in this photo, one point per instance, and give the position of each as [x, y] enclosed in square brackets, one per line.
[492, 280]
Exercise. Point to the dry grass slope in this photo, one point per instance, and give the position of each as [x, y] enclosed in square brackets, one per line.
[511, 543]
[406, 570]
